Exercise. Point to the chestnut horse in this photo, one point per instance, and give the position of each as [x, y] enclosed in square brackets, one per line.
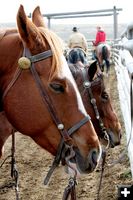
[103, 54]
[102, 113]
[39, 95]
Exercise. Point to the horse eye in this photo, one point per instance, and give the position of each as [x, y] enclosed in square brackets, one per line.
[105, 96]
[58, 88]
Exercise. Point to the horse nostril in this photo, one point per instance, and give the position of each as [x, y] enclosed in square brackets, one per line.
[117, 143]
[94, 157]
[120, 135]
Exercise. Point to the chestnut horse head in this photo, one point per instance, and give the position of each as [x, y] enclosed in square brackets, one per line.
[97, 102]
[40, 97]
[103, 54]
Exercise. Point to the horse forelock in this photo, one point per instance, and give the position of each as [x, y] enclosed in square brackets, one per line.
[55, 44]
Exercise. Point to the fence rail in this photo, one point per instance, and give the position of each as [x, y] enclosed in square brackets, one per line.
[123, 59]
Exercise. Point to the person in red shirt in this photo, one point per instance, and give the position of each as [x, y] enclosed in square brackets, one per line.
[100, 38]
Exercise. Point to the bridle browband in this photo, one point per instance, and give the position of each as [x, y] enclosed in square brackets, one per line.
[66, 134]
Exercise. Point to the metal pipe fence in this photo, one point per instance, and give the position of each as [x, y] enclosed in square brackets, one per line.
[122, 54]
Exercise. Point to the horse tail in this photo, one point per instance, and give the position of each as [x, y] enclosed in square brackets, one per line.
[104, 52]
[105, 55]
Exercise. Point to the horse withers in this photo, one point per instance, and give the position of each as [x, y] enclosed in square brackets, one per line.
[97, 102]
[40, 97]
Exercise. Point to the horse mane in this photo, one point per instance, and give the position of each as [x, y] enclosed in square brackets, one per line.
[57, 48]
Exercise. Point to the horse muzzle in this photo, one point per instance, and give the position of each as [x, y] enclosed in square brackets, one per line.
[89, 163]
[115, 138]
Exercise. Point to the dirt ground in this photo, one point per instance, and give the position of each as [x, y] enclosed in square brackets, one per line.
[33, 164]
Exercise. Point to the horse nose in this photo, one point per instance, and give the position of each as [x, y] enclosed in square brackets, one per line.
[118, 142]
[94, 158]
[120, 135]
[115, 138]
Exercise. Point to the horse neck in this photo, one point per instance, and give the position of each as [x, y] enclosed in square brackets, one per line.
[10, 51]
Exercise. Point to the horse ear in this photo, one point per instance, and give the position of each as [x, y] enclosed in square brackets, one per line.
[28, 31]
[37, 18]
[92, 70]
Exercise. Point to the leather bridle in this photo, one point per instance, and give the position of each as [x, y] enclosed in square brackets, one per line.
[47, 100]
[66, 140]
[87, 85]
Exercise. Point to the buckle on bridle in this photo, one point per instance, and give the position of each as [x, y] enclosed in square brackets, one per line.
[24, 63]
[60, 126]
[87, 84]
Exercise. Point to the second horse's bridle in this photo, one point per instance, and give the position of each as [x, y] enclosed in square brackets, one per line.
[87, 85]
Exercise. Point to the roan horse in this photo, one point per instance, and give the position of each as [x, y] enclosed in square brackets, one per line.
[103, 54]
[39, 95]
[97, 102]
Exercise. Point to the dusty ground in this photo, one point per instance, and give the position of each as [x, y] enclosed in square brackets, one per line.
[33, 164]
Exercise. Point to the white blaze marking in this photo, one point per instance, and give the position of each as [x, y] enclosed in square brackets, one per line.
[67, 73]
